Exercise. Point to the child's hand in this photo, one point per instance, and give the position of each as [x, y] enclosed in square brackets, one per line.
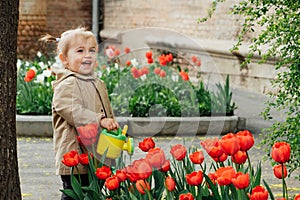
[109, 124]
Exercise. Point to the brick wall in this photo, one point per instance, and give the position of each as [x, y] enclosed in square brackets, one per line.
[65, 14]
[30, 29]
[172, 14]
[38, 17]
[32, 24]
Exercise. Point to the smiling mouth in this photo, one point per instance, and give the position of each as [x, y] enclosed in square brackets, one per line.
[86, 63]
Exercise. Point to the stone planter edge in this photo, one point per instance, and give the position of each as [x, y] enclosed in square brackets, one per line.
[41, 126]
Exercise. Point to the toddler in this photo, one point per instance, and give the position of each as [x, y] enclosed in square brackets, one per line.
[79, 97]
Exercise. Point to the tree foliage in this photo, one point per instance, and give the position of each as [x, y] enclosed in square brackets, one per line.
[276, 25]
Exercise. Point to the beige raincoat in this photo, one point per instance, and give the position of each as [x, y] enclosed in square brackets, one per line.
[78, 100]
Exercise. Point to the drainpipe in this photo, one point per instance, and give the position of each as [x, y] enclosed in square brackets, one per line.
[95, 18]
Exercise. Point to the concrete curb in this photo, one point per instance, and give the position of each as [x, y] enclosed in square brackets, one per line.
[41, 126]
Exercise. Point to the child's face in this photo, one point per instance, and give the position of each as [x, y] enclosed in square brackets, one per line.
[82, 56]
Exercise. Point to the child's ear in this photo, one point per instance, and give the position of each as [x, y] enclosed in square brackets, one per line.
[63, 59]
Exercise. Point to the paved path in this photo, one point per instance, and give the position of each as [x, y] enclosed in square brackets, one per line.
[36, 157]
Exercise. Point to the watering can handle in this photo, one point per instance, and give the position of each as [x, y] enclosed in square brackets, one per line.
[124, 131]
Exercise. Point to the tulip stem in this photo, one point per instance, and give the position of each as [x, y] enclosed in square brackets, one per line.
[250, 167]
[245, 194]
[239, 195]
[72, 174]
[94, 156]
[284, 187]
[199, 190]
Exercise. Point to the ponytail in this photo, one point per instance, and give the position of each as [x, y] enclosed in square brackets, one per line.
[49, 39]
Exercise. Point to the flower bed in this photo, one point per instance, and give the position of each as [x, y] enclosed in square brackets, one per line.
[185, 174]
[151, 83]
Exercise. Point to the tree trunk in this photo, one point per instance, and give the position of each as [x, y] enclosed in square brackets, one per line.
[9, 174]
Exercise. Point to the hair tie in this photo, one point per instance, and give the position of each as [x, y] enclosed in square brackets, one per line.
[57, 39]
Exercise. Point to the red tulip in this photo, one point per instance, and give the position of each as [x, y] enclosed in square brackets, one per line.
[162, 73]
[225, 175]
[30, 74]
[297, 197]
[142, 168]
[144, 71]
[278, 171]
[148, 54]
[157, 71]
[259, 193]
[117, 52]
[194, 178]
[127, 50]
[184, 75]
[198, 63]
[162, 60]
[112, 183]
[197, 157]
[131, 173]
[147, 144]
[212, 147]
[103, 172]
[281, 152]
[121, 175]
[166, 166]
[84, 159]
[194, 58]
[135, 72]
[71, 159]
[212, 177]
[178, 151]
[230, 144]
[187, 196]
[142, 186]
[150, 60]
[88, 134]
[241, 181]
[170, 183]
[156, 157]
[246, 140]
[221, 158]
[169, 57]
[239, 158]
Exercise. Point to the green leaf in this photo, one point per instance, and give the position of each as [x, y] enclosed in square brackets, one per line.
[213, 188]
[133, 197]
[159, 180]
[257, 175]
[76, 185]
[269, 190]
[70, 193]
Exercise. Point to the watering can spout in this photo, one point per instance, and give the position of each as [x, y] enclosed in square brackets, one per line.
[129, 146]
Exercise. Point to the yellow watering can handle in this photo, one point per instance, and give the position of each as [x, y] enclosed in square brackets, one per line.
[124, 131]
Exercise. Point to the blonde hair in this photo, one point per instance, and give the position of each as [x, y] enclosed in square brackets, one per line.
[63, 43]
